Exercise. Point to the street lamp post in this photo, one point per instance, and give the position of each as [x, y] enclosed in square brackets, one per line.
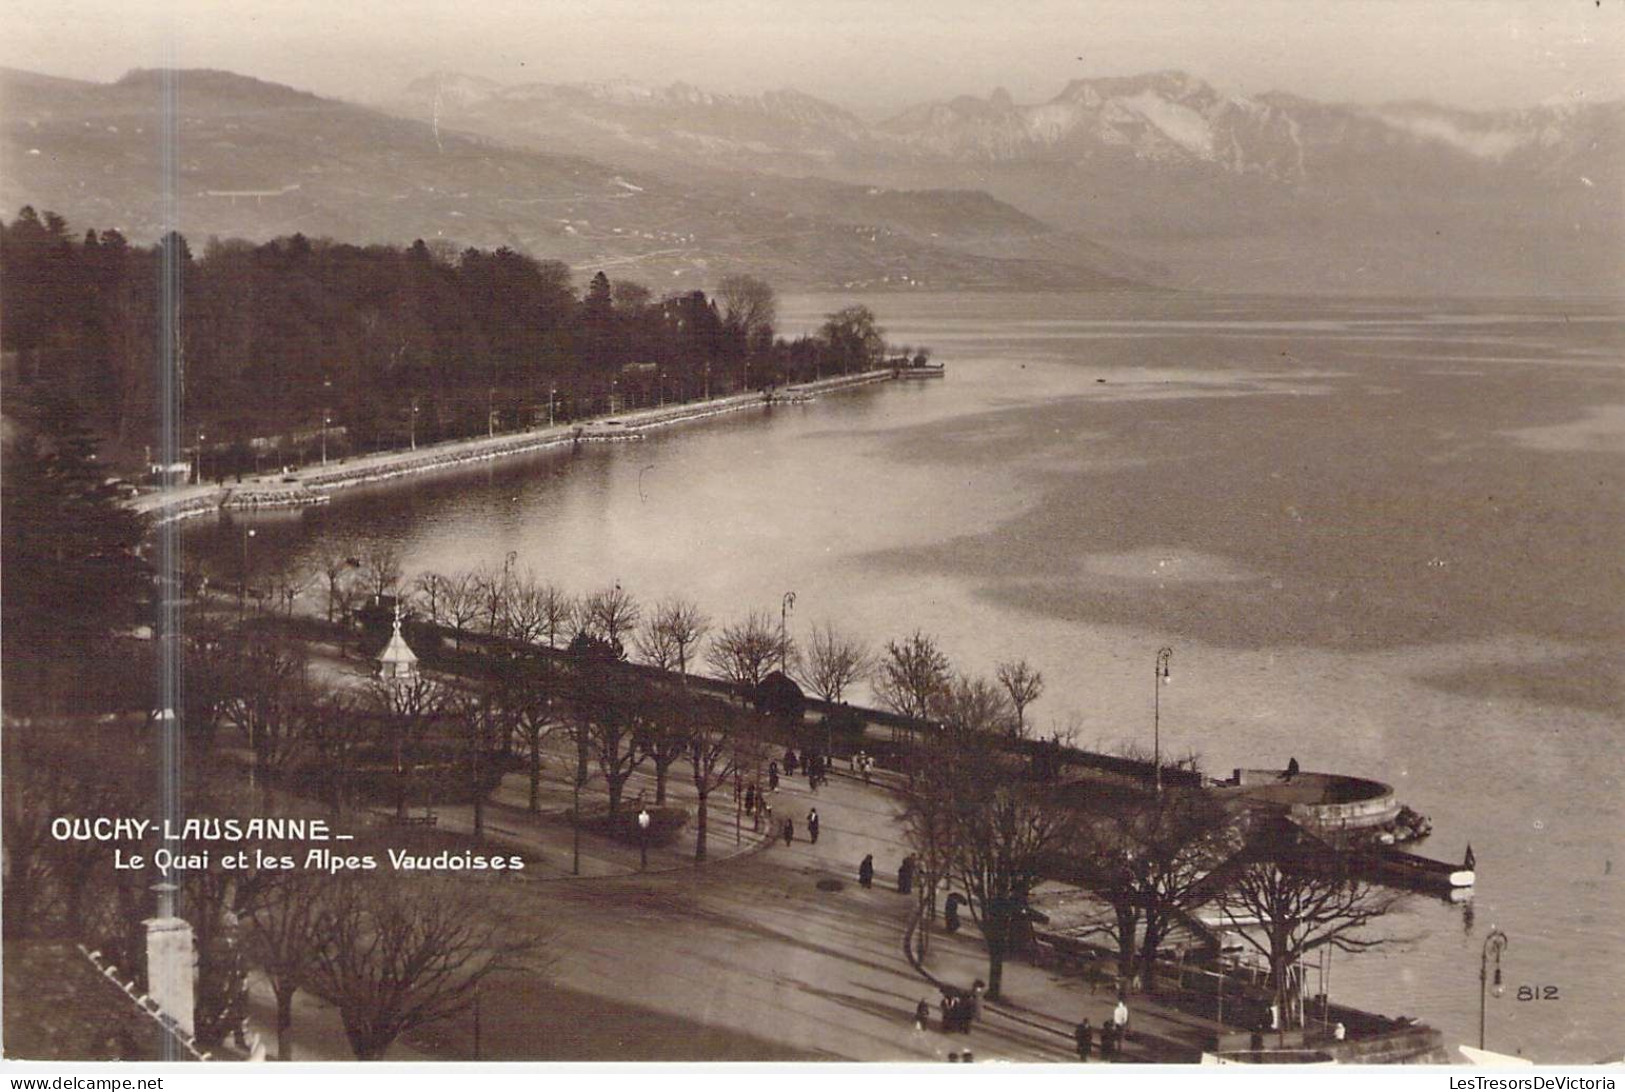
[1160, 676]
[785, 604]
[242, 587]
[490, 412]
[552, 392]
[1494, 944]
[200, 439]
[643, 839]
[326, 420]
[414, 425]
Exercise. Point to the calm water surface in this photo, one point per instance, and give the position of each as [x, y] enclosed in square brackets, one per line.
[1386, 538]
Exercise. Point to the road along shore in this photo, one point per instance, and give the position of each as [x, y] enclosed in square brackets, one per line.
[316, 482]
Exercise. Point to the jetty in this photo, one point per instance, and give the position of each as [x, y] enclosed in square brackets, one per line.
[1356, 825]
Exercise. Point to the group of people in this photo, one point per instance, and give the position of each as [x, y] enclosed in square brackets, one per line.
[814, 765]
[1112, 1034]
[758, 807]
[788, 831]
[905, 873]
[862, 763]
[959, 1008]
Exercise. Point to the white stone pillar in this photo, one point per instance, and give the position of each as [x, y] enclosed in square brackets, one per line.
[170, 969]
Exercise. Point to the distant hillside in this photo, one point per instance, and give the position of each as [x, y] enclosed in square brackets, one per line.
[1274, 192]
[257, 160]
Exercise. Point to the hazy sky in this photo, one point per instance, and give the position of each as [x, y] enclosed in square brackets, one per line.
[875, 56]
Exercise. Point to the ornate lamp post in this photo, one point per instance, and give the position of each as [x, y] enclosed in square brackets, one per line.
[326, 420]
[1160, 676]
[1494, 944]
[643, 839]
[785, 604]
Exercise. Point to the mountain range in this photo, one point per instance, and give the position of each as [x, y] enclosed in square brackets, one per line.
[255, 160]
[1268, 193]
[1112, 183]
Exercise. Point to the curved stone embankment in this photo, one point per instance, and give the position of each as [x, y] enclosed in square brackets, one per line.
[200, 500]
[1321, 800]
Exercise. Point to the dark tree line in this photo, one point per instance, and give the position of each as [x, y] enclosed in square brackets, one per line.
[380, 345]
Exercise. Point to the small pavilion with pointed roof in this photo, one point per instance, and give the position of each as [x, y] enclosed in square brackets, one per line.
[397, 660]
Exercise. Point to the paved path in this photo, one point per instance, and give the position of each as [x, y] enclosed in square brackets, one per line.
[767, 952]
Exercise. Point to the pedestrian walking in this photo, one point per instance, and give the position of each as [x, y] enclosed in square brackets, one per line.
[789, 831]
[750, 800]
[905, 875]
[766, 811]
[866, 871]
[772, 777]
[1120, 1018]
[789, 762]
[950, 912]
[922, 1015]
[812, 826]
[1108, 1041]
[1082, 1035]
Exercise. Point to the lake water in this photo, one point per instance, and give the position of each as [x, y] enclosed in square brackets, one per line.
[1383, 537]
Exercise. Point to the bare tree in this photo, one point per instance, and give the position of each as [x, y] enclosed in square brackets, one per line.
[486, 723]
[714, 752]
[408, 707]
[381, 569]
[558, 612]
[610, 614]
[527, 691]
[1004, 833]
[336, 733]
[431, 593]
[288, 581]
[337, 565]
[1150, 858]
[396, 955]
[491, 586]
[1303, 899]
[526, 617]
[973, 706]
[748, 306]
[655, 646]
[912, 676]
[833, 662]
[608, 711]
[1025, 685]
[665, 731]
[745, 652]
[270, 702]
[283, 940]
[672, 634]
[462, 605]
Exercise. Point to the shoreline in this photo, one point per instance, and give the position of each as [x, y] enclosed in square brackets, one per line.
[315, 484]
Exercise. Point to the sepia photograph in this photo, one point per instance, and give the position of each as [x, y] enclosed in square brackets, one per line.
[1065, 533]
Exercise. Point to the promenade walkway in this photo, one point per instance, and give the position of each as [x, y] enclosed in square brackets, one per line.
[766, 952]
[205, 497]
